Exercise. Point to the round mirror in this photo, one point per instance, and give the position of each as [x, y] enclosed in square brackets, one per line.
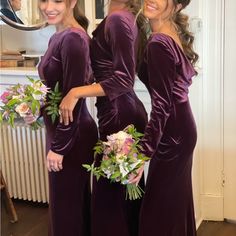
[21, 14]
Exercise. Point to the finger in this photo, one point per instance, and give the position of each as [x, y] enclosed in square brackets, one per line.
[132, 176]
[60, 166]
[60, 117]
[55, 167]
[48, 166]
[136, 179]
[65, 117]
[71, 115]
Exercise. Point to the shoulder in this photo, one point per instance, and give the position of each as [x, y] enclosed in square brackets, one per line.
[161, 45]
[119, 18]
[74, 35]
[161, 40]
[73, 39]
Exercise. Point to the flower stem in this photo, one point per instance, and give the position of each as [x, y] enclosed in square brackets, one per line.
[133, 192]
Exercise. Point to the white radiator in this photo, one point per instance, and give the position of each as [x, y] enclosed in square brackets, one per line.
[22, 158]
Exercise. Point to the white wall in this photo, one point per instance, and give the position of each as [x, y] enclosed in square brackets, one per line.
[32, 41]
[230, 111]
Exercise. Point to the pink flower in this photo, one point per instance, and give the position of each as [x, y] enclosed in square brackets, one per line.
[127, 146]
[5, 97]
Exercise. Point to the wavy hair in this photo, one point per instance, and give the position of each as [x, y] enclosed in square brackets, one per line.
[181, 22]
[135, 6]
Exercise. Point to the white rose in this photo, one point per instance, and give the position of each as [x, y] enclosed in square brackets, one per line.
[22, 109]
[119, 139]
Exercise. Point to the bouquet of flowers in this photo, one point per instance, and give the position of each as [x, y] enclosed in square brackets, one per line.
[120, 158]
[20, 101]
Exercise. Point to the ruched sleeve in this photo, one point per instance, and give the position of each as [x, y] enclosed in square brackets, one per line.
[120, 33]
[75, 58]
[161, 71]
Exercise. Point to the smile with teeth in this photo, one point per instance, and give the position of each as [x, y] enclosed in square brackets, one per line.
[151, 7]
[51, 16]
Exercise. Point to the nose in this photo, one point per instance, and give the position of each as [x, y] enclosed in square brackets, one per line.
[48, 6]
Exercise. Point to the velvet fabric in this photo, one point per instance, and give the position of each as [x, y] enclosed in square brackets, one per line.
[113, 56]
[170, 138]
[67, 61]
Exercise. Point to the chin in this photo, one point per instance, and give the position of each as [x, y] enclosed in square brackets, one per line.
[148, 15]
[52, 22]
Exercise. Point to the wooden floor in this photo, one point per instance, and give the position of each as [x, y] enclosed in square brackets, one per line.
[33, 221]
[216, 228]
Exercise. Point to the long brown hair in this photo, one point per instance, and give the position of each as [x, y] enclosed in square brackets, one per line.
[181, 22]
[80, 16]
[134, 6]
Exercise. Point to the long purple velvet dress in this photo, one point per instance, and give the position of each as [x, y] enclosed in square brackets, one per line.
[170, 138]
[67, 61]
[113, 53]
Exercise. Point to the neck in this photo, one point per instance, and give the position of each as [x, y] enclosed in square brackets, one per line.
[161, 26]
[68, 23]
[116, 6]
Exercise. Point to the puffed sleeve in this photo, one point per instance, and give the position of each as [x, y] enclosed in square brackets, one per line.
[75, 59]
[120, 35]
[161, 71]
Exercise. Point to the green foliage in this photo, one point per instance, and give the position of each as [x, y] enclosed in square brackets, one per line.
[52, 108]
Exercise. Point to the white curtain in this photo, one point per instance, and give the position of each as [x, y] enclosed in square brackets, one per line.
[29, 12]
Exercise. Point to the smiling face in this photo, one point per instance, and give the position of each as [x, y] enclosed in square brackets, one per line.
[158, 9]
[55, 12]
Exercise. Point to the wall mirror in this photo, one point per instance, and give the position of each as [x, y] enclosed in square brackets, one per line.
[21, 14]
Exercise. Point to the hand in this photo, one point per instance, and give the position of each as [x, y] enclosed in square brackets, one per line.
[54, 161]
[134, 179]
[30, 118]
[67, 106]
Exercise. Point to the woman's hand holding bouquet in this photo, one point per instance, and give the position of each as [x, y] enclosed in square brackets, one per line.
[121, 159]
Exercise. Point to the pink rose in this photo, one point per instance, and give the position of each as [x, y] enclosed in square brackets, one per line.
[5, 97]
[127, 146]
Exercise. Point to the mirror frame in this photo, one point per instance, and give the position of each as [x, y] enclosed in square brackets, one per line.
[21, 26]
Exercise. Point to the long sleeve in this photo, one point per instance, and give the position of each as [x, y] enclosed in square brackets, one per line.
[161, 70]
[75, 61]
[120, 35]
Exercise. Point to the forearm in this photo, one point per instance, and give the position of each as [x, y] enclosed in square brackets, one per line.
[93, 90]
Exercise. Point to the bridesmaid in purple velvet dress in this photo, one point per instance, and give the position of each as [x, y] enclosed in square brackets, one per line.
[67, 61]
[170, 136]
[114, 49]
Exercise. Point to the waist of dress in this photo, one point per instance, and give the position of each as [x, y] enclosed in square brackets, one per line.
[128, 95]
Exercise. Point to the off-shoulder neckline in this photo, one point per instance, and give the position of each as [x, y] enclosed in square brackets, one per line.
[171, 38]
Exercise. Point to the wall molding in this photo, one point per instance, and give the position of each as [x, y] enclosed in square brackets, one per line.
[211, 160]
